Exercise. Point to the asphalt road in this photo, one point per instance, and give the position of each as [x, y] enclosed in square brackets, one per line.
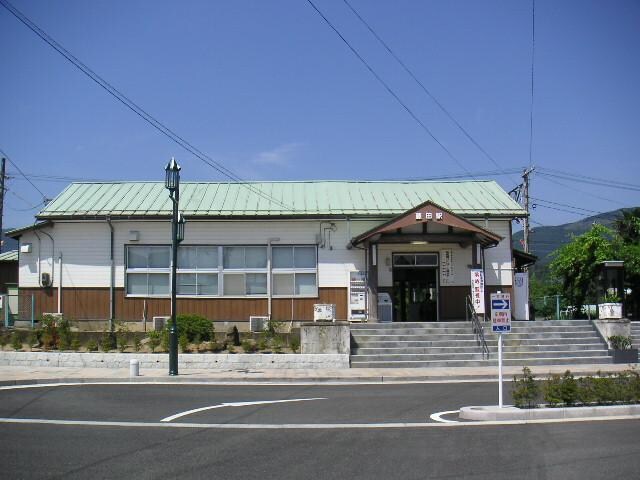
[150, 449]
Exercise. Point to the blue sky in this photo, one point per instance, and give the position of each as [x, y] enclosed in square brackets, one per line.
[268, 90]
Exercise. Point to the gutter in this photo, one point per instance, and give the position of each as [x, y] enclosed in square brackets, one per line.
[112, 297]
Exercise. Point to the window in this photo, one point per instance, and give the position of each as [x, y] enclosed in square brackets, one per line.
[415, 260]
[295, 271]
[197, 271]
[148, 270]
[244, 270]
[236, 271]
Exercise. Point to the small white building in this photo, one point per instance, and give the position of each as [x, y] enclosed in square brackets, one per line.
[101, 251]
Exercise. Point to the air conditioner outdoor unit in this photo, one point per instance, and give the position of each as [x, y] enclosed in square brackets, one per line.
[160, 322]
[258, 323]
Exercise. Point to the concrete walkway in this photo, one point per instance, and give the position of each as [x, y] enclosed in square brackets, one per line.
[31, 375]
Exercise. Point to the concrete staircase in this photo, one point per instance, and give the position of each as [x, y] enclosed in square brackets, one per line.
[635, 334]
[452, 344]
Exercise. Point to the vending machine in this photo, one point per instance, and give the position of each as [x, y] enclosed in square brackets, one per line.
[358, 296]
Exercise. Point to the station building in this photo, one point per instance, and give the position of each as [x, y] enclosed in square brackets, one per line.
[378, 251]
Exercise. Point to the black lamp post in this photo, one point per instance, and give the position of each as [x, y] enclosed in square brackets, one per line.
[172, 183]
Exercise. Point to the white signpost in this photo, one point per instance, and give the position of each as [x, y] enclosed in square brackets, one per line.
[500, 323]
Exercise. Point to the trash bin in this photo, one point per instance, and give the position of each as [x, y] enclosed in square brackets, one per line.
[385, 308]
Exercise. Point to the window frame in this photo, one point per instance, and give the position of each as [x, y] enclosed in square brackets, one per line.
[275, 271]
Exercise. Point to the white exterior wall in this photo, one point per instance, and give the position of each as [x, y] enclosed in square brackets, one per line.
[85, 247]
[497, 260]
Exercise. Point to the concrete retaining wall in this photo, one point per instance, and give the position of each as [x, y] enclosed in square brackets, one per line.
[214, 361]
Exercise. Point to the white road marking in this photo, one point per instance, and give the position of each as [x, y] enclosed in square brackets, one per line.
[304, 426]
[236, 404]
[437, 417]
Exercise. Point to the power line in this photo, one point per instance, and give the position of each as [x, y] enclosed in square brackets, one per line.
[131, 105]
[592, 181]
[582, 191]
[533, 52]
[422, 85]
[387, 87]
[571, 175]
[566, 205]
[44, 197]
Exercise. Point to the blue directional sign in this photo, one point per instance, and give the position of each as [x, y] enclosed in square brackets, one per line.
[500, 304]
[500, 312]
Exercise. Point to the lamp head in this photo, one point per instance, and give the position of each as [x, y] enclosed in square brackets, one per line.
[172, 171]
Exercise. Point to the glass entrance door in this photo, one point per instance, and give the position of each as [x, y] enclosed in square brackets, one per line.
[415, 294]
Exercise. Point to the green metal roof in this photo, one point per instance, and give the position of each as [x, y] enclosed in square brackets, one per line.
[269, 199]
[10, 256]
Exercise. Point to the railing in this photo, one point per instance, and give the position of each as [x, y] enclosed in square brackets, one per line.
[478, 329]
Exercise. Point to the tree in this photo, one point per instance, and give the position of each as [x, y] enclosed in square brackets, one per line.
[575, 263]
[628, 226]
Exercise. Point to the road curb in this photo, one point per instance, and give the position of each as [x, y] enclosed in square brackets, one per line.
[509, 413]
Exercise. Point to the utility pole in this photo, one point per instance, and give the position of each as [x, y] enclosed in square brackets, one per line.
[1, 198]
[525, 184]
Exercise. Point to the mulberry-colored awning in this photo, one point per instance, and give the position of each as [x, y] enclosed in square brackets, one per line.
[460, 230]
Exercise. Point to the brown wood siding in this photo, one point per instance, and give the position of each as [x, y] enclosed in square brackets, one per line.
[93, 304]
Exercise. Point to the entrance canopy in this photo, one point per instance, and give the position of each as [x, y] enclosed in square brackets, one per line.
[428, 222]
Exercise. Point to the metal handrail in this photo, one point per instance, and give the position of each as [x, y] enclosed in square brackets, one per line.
[478, 329]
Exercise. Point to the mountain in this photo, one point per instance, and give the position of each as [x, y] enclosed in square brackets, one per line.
[544, 240]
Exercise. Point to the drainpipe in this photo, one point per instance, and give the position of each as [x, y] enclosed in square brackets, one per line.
[112, 298]
[60, 284]
[269, 282]
[39, 247]
[53, 254]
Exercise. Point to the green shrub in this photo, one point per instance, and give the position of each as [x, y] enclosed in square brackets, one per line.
[92, 345]
[63, 326]
[230, 348]
[32, 339]
[48, 331]
[107, 342]
[263, 344]
[294, 343]
[552, 391]
[183, 342]
[620, 342]
[192, 325]
[3, 341]
[525, 390]
[164, 340]
[137, 344]
[568, 389]
[75, 343]
[123, 343]
[249, 346]
[16, 341]
[154, 340]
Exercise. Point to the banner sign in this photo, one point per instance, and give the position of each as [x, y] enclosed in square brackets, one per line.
[446, 267]
[477, 290]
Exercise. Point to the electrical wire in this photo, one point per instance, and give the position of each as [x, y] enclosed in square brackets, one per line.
[422, 85]
[387, 87]
[566, 205]
[131, 105]
[593, 181]
[533, 52]
[44, 197]
[581, 191]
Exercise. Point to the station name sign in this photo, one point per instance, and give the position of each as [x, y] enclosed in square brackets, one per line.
[430, 216]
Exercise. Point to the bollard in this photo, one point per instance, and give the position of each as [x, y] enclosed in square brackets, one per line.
[134, 368]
